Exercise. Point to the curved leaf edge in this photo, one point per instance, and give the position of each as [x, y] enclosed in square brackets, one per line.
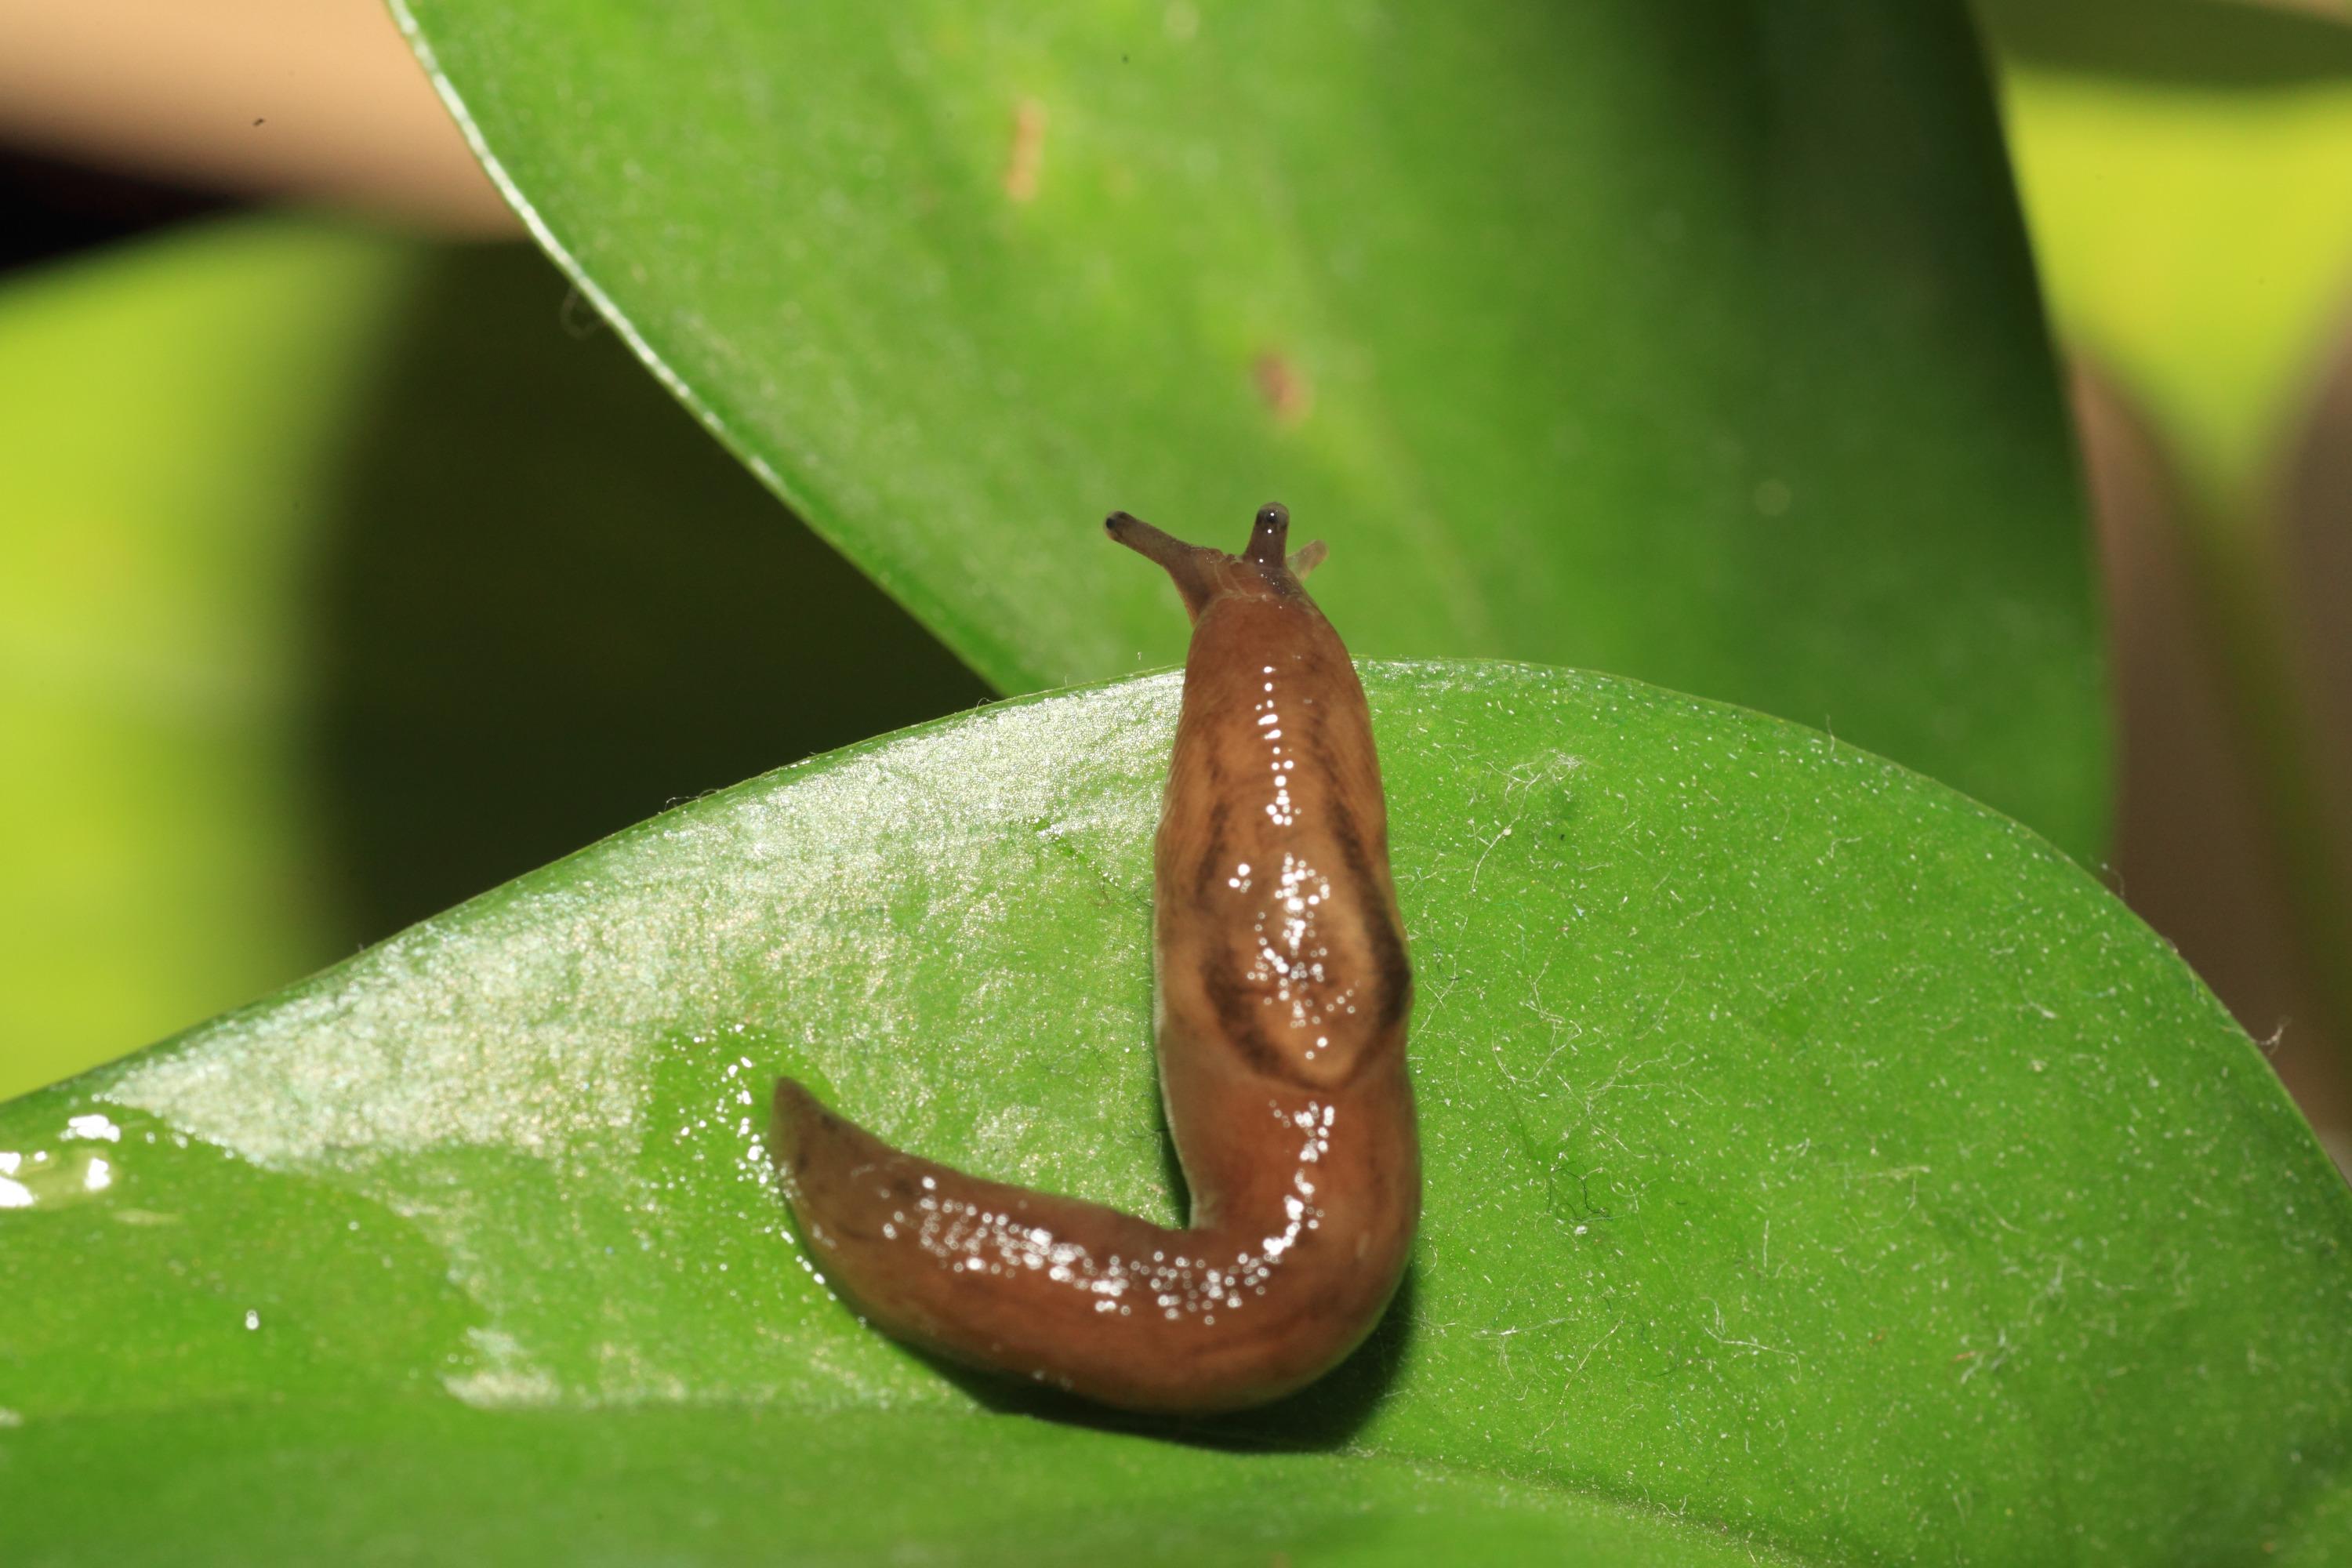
[536, 880]
[816, 766]
[988, 655]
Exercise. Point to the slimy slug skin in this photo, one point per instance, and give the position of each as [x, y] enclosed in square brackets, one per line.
[1283, 990]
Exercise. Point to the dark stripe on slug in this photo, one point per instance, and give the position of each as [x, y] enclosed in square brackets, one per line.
[1213, 854]
[1396, 976]
[1396, 983]
[1392, 971]
[1238, 1011]
[1339, 817]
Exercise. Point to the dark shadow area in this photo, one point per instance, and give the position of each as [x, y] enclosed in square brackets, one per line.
[549, 604]
[1327, 1413]
[2182, 42]
[1330, 1412]
[50, 208]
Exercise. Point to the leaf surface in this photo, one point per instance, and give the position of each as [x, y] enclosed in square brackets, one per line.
[343, 576]
[1698, 343]
[1816, 1164]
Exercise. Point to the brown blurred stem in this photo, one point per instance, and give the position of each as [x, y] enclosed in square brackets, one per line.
[2228, 831]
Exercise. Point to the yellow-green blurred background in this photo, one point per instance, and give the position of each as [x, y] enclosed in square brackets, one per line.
[250, 271]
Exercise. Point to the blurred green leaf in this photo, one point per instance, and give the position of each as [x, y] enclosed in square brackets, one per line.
[2183, 167]
[342, 577]
[169, 414]
[1816, 1162]
[1692, 343]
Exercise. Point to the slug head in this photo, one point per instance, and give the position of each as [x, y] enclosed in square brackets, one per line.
[1204, 574]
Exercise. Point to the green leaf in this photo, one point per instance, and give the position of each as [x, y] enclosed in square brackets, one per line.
[1815, 1162]
[158, 495]
[2168, 151]
[342, 577]
[2171, 153]
[1696, 343]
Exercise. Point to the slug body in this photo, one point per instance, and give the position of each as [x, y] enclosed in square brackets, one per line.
[1282, 995]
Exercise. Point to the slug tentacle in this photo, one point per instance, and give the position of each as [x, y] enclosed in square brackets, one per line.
[1191, 567]
[1270, 536]
[1283, 990]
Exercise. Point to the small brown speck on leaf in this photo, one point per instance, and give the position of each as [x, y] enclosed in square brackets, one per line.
[1283, 386]
[1021, 165]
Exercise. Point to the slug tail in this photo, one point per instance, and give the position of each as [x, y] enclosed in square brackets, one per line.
[1062, 1292]
[817, 1154]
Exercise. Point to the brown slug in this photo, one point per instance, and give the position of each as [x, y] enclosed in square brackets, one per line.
[1282, 994]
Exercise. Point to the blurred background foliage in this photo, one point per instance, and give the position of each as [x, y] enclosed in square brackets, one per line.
[2186, 169]
[275, 687]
